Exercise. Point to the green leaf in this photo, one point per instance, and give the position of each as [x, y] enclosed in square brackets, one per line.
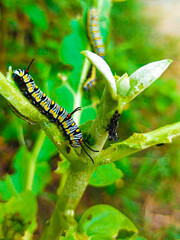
[134, 237]
[36, 15]
[105, 9]
[104, 221]
[25, 204]
[145, 76]
[47, 151]
[68, 236]
[70, 50]
[65, 97]
[105, 175]
[7, 188]
[11, 185]
[122, 84]
[42, 177]
[88, 113]
[103, 68]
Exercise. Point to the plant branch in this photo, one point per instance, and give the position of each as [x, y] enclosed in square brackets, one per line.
[12, 94]
[137, 142]
[63, 214]
[33, 158]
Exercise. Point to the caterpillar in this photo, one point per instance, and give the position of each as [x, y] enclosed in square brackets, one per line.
[54, 112]
[94, 34]
[112, 127]
[91, 78]
[93, 31]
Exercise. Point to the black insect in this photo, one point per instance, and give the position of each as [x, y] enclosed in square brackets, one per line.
[112, 127]
[50, 108]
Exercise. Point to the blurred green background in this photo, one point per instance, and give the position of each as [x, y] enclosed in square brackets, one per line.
[136, 33]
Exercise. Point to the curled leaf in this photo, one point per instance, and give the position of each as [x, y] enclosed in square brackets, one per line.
[122, 84]
[103, 68]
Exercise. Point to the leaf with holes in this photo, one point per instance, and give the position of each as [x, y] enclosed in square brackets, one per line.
[104, 222]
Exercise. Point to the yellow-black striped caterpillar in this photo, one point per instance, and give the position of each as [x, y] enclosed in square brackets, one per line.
[94, 34]
[50, 108]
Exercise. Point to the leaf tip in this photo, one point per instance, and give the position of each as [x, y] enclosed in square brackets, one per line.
[170, 60]
[84, 52]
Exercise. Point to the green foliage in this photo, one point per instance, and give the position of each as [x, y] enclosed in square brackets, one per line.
[105, 175]
[18, 207]
[71, 46]
[37, 16]
[103, 221]
[54, 32]
[17, 182]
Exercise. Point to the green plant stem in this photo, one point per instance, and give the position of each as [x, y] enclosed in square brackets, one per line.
[11, 185]
[105, 112]
[137, 142]
[32, 162]
[63, 215]
[78, 95]
[80, 173]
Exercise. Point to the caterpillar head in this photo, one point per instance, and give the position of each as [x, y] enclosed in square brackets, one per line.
[18, 75]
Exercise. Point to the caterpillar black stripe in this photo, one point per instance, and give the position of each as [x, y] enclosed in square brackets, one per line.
[50, 108]
[93, 30]
[112, 127]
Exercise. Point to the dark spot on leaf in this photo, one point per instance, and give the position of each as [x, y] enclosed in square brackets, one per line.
[124, 234]
[160, 144]
[89, 217]
[68, 149]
